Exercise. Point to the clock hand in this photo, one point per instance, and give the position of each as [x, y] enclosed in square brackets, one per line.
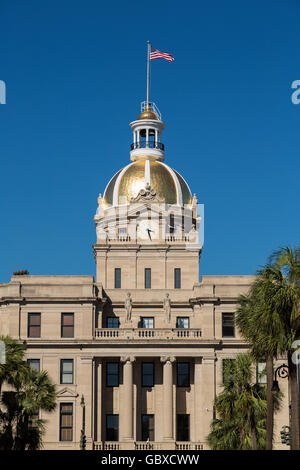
[149, 230]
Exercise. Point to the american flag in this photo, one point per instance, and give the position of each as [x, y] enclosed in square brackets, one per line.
[155, 54]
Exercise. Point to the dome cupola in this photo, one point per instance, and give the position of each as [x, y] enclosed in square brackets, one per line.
[147, 130]
[147, 172]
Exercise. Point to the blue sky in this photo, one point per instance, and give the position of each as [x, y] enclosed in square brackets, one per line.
[75, 76]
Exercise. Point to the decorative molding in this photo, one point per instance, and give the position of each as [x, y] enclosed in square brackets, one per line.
[127, 359]
[165, 359]
[147, 194]
[66, 392]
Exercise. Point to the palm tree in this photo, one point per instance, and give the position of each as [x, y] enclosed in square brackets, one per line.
[241, 409]
[14, 360]
[20, 427]
[269, 318]
[286, 264]
[249, 317]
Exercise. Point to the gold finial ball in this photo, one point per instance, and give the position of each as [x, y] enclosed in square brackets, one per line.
[148, 114]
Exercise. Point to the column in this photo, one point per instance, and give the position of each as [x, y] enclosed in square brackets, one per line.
[168, 396]
[86, 389]
[98, 401]
[126, 408]
[206, 396]
[197, 399]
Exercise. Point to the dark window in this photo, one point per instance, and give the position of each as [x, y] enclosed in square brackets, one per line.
[227, 369]
[66, 422]
[183, 322]
[148, 428]
[228, 325]
[183, 374]
[34, 364]
[112, 322]
[147, 278]
[147, 374]
[66, 371]
[34, 325]
[183, 428]
[112, 374]
[177, 278]
[117, 278]
[112, 427]
[172, 224]
[147, 322]
[67, 325]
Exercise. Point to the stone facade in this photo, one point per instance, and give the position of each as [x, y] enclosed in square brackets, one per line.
[146, 306]
[93, 345]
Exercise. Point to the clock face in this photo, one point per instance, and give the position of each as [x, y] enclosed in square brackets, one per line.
[148, 230]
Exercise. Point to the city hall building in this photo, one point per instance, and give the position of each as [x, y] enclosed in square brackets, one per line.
[136, 353]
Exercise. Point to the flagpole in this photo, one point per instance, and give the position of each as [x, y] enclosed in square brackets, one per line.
[148, 72]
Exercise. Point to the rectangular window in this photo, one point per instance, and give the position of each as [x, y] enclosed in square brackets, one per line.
[148, 428]
[261, 377]
[147, 278]
[227, 368]
[112, 427]
[177, 278]
[147, 374]
[34, 364]
[34, 325]
[183, 374]
[172, 224]
[112, 374]
[183, 428]
[182, 322]
[122, 230]
[117, 278]
[112, 322]
[66, 371]
[67, 325]
[147, 322]
[66, 422]
[228, 325]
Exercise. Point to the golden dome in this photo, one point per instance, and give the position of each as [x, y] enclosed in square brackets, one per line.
[167, 183]
[148, 114]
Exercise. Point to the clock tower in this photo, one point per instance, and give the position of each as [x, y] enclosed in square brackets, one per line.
[147, 220]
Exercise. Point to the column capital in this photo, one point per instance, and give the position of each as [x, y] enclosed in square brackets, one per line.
[165, 359]
[209, 359]
[127, 359]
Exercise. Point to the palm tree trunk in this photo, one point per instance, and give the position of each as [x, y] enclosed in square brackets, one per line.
[253, 438]
[270, 406]
[294, 402]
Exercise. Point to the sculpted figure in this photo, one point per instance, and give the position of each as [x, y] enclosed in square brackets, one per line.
[167, 307]
[128, 307]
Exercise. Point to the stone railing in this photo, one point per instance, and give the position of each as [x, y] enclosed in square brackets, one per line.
[142, 445]
[106, 446]
[188, 446]
[132, 239]
[111, 334]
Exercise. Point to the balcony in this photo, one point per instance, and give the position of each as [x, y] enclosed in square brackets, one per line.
[146, 334]
[147, 144]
